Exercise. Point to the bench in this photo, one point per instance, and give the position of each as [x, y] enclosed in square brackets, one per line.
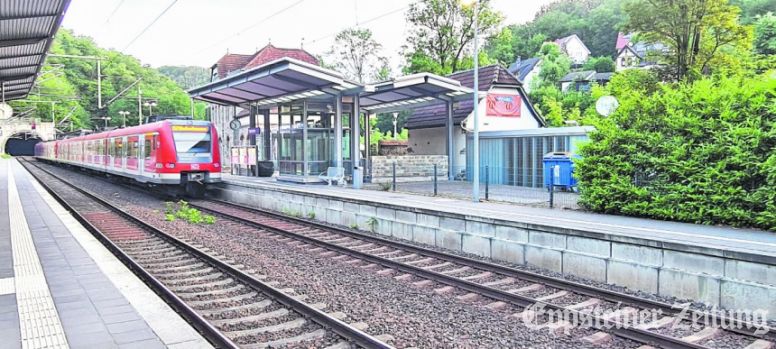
[333, 174]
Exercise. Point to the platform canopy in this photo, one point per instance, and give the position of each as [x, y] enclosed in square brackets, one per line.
[27, 29]
[412, 91]
[279, 81]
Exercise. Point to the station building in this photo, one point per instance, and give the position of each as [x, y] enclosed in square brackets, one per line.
[305, 119]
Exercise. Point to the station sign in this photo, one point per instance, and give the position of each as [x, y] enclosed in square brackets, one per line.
[254, 131]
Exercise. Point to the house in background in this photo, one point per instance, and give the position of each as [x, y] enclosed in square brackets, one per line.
[221, 116]
[504, 106]
[525, 71]
[573, 47]
[632, 54]
[583, 80]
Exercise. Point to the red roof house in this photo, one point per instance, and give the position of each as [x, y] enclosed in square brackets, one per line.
[234, 62]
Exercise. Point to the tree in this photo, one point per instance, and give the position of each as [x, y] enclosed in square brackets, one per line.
[765, 34]
[698, 151]
[357, 54]
[72, 85]
[603, 64]
[186, 76]
[441, 31]
[750, 9]
[499, 47]
[697, 31]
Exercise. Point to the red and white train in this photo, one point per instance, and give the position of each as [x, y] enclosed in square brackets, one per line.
[170, 152]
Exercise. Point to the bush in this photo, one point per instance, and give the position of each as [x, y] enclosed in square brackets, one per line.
[703, 152]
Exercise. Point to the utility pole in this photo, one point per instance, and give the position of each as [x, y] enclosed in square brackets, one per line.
[99, 85]
[99, 73]
[139, 105]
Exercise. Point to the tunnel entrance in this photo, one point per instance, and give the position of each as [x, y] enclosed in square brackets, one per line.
[21, 144]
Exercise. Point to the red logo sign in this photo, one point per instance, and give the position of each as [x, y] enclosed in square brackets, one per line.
[503, 105]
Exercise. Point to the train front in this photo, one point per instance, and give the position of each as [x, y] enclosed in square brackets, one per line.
[198, 157]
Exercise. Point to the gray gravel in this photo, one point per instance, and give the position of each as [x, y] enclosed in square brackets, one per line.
[416, 317]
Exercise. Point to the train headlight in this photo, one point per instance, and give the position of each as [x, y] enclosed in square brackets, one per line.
[216, 165]
[159, 165]
[170, 165]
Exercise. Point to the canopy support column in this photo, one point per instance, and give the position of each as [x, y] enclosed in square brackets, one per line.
[305, 164]
[450, 142]
[252, 125]
[267, 135]
[338, 131]
[355, 154]
[368, 143]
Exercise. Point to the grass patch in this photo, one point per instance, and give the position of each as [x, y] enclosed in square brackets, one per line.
[182, 210]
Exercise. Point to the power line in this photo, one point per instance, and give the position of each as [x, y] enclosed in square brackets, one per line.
[252, 25]
[113, 12]
[364, 22]
[149, 25]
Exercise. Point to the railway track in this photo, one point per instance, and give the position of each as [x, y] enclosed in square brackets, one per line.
[229, 307]
[502, 286]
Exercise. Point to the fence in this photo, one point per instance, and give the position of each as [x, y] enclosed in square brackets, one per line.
[497, 184]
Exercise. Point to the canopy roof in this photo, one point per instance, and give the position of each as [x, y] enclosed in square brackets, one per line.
[27, 29]
[282, 80]
[288, 79]
[412, 91]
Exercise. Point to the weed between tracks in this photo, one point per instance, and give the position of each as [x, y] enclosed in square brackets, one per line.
[182, 210]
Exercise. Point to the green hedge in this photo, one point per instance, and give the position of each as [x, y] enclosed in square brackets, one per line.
[703, 152]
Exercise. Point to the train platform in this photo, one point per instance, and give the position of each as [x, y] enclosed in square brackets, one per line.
[61, 288]
[724, 266]
[696, 235]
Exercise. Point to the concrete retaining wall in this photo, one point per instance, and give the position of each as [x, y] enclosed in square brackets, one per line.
[730, 280]
[409, 166]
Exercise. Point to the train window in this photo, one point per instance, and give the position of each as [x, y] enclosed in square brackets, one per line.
[148, 147]
[192, 144]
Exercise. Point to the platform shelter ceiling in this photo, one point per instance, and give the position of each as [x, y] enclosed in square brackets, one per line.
[27, 28]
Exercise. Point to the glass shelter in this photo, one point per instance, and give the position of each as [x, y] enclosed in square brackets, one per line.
[320, 118]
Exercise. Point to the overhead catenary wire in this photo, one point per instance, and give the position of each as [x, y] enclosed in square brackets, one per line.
[254, 25]
[150, 25]
[113, 12]
[362, 23]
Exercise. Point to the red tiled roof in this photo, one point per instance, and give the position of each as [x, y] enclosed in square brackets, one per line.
[270, 53]
[231, 62]
[622, 41]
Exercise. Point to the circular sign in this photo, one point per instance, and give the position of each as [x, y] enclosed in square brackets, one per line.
[606, 105]
[5, 111]
[235, 124]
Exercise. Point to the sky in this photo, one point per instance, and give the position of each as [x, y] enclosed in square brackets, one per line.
[199, 32]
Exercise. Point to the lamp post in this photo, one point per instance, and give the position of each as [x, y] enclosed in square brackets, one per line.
[395, 122]
[124, 117]
[150, 105]
[476, 136]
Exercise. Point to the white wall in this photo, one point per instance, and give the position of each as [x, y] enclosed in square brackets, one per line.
[625, 60]
[433, 141]
[577, 51]
[527, 81]
[501, 123]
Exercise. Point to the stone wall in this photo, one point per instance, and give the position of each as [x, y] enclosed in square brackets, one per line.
[416, 166]
[733, 280]
[392, 147]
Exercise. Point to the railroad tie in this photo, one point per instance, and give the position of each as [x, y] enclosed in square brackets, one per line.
[659, 323]
[287, 341]
[526, 289]
[585, 304]
[761, 344]
[283, 326]
[598, 338]
[504, 281]
[253, 318]
[555, 295]
[702, 335]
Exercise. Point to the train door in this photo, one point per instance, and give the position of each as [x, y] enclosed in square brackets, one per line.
[118, 153]
[132, 152]
[111, 153]
[149, 152]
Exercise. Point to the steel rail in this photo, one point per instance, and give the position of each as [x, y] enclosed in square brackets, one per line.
[599, 322]
[321, 318]
[738, 326]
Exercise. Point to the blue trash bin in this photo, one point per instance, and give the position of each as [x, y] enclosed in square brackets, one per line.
[559, 170]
